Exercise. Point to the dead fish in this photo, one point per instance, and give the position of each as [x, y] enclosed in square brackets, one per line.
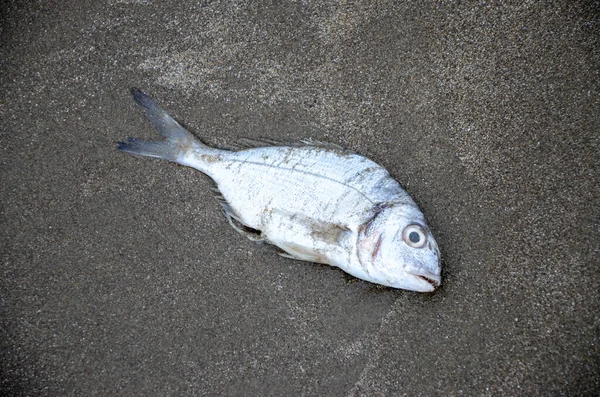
[317, 202]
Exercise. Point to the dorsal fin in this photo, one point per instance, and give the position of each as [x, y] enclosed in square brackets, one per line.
[326, 145]
[251, 143]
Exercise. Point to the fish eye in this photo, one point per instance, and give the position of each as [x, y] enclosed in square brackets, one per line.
[414, 236]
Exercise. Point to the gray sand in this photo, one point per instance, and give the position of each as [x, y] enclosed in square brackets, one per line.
[120, 276]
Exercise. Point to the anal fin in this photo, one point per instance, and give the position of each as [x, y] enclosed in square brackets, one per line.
[235, 221]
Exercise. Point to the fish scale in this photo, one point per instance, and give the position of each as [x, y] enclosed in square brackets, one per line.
[314, 201]
[294, 179]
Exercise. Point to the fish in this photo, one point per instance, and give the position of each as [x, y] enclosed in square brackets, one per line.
[315, 201]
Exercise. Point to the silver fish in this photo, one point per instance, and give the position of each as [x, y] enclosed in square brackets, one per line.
[316, 202]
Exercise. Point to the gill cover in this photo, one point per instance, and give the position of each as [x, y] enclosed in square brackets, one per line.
[370, 236]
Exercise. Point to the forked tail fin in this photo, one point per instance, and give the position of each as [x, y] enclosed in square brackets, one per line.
[178, 142]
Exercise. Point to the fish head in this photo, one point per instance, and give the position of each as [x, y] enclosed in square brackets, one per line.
[396, 248]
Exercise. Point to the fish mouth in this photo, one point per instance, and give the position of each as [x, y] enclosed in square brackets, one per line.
[429, 281]
[432, 282]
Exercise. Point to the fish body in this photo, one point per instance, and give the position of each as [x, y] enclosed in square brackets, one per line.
[316, 202]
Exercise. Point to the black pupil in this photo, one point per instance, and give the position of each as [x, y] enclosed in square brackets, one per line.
[414, 237]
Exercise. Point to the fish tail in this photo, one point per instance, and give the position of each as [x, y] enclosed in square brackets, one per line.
[178, 144]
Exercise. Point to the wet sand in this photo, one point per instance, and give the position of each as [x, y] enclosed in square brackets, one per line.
[120, 276]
